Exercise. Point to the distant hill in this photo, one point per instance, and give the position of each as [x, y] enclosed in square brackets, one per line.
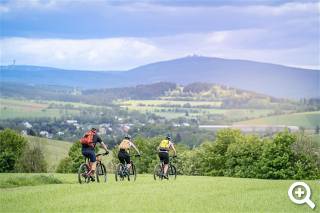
[270, 79]
[227, 97]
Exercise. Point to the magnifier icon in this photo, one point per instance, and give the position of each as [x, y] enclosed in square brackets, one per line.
[301, 188]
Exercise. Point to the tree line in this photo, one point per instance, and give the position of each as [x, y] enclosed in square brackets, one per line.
[231, 154]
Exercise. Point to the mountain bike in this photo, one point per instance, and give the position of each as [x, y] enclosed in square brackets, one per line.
[84, 170]
[122, 172]
[159, 170]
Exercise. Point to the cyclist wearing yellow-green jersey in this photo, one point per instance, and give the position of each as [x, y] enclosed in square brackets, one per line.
[163, 149]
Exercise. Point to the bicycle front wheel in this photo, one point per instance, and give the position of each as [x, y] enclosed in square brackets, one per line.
[172, 172]
[133, 172]
[157, 174]
[82, 173]
[101, 173]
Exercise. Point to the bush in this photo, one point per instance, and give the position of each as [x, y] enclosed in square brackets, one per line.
[32, 159]
[212, 156]
[233, 154]
[11, 147]
[277, 158]
[65, 165]
[71, 163]
[243, 158]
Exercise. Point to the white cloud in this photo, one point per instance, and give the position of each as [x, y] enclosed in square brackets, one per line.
[100, 54]
[126, 53]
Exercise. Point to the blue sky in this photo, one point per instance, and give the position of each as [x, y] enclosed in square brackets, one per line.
[118, 35]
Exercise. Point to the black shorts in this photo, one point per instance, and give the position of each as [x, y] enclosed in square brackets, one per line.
[124, 157]
[164, 156]
[89, 153]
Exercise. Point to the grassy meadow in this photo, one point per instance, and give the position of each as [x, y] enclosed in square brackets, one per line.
[62, 193]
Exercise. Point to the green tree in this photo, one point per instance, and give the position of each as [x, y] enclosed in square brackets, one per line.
[277, 158]
[11, 148]
[32, 159]
[306, 158]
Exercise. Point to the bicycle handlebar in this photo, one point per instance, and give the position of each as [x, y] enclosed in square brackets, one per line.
[103, 154]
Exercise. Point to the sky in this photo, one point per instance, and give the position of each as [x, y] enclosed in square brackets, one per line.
[120, 35]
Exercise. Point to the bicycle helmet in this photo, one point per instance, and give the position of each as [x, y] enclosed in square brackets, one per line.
[168, 137]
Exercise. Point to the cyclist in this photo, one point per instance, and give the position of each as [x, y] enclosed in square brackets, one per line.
[88, 150]
[124, 147]
[163, 149]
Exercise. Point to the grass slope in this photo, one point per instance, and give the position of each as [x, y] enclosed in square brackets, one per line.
[305, 119]
[186, 194]
[54, 150]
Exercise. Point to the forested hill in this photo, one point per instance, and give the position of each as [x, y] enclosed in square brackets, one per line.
[159, 91]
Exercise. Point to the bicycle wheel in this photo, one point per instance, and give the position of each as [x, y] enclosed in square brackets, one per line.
[101, 173]
[172, 172]
[157, 174]
[133, 172]
[82, 173]
[119, 172]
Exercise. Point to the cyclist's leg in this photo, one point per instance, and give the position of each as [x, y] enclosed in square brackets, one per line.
[93, 162]
[121, 157]
[166, 162]
[127, 159]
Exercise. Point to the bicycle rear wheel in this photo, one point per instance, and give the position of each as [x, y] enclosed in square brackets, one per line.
[157, 174]
[82, 173]
[119, 174]
[101, 173]
[172, 172]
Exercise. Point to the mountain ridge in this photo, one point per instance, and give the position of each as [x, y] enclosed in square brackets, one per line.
[261, 77]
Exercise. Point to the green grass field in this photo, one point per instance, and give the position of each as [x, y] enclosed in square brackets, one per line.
[10, 108]
[305, 119]
[13, 108]
[154, 106]
[54, 150]
[186, 194]
[170, 102]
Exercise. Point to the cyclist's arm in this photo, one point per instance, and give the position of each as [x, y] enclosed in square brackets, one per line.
[174, 150]
[104, 146]
[132, 144]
